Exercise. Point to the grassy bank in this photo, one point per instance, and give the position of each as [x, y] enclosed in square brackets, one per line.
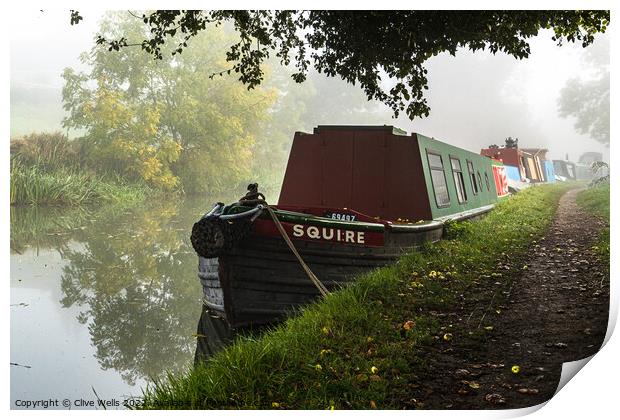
[33, 185]
[360, 347]
[596, 201]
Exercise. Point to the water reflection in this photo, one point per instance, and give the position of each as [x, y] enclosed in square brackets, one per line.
[134, 281]
[214, 334]
[127, 276]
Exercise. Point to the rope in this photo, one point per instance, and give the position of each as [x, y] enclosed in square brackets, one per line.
[288, 241]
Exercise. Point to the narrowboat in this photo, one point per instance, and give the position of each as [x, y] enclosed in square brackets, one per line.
[523, 166]
[565, 170]
[571, 171]
[353, 198]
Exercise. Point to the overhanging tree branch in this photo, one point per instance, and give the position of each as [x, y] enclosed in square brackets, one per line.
[359, 46]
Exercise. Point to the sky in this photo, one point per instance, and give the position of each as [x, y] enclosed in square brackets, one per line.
[476, 99]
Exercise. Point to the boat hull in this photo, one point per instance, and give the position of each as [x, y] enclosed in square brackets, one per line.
[260, 281]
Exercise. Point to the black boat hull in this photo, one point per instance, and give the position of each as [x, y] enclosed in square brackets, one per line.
[260, 281]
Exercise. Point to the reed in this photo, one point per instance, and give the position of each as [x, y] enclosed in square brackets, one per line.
[34, 185]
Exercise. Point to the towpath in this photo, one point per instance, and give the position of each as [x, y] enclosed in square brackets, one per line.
[555, 312]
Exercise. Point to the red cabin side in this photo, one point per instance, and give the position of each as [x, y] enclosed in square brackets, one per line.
[501, 181]
[507, 155]
[373, 170]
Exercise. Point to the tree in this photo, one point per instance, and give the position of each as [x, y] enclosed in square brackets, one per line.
[361, 47]
[166, 121]
[587, 99]
[320, 100]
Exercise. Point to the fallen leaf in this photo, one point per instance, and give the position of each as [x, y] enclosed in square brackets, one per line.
[408, 325]
[530, 391]
[495, 399]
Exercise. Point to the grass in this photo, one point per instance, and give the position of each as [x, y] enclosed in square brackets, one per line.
[32, 185]
[361, 346]
[596, 200]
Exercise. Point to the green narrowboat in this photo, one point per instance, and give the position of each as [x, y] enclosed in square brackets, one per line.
[353, 198]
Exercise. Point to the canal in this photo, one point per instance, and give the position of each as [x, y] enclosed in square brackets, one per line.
[104, 301]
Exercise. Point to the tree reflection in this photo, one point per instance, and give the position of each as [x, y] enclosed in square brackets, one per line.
[134, 276]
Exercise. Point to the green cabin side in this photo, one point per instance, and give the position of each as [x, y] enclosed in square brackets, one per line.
[461, 191]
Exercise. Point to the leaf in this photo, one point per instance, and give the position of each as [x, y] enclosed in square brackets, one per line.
[474, 385]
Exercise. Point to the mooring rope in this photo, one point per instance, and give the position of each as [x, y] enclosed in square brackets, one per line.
[288, 241]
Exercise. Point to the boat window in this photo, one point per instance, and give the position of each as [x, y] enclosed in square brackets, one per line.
[459, 181]
[472, 177]
[479, 180]
[434, 161]
[438, 179]
[486, 177]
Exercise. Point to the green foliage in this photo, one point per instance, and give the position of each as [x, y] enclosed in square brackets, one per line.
[596, 201]
[166, 122]
[588, 102]
[455, 230]
[50, 169]
[587, 99]
[352, 350]
[170, 124]
[47, 151]
[36, 185]
[358, 46]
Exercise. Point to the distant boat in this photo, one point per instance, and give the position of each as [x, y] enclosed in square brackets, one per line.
[353, 199]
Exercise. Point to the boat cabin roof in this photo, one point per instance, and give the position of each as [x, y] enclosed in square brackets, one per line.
[383, 172]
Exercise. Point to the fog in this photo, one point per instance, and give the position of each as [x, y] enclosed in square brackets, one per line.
[476, 99]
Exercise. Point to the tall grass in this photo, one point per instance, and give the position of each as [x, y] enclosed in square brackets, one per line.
[50, 169]
[350, 350]
[596, 200]
[34, 185]
[48, 151]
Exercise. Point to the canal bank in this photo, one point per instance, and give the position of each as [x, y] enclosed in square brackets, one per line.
[364, 347]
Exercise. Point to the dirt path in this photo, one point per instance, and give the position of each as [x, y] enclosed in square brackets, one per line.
[555, 312]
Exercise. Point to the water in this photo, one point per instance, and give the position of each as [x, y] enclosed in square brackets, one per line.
[102, 301]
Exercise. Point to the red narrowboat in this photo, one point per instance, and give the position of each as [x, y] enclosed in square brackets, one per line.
[353, 198]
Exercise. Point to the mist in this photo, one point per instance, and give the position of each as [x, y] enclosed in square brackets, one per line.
[476, 99]
[116, 160]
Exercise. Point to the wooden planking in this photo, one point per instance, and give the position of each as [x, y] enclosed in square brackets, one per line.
[261, 280]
